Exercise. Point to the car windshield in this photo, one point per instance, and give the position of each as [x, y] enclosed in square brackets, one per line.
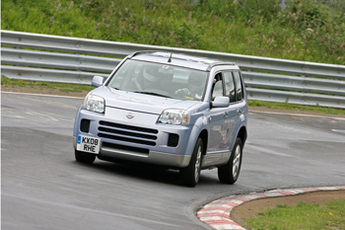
[160, 79]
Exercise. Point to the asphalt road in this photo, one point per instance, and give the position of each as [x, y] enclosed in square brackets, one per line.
[43, 187]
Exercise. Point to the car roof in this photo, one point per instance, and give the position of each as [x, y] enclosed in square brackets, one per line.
[178, 59]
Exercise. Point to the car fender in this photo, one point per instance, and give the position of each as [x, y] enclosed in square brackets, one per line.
[242, 124]
[76, 124]
[199, 125]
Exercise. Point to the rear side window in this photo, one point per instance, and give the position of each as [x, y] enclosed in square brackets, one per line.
[238, 83]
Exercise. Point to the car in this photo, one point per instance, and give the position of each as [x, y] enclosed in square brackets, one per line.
[175, 110]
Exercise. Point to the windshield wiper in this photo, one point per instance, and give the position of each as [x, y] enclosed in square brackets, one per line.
[114, 88]
[152, 93]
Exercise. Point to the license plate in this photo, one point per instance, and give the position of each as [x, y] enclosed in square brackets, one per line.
[88, 144]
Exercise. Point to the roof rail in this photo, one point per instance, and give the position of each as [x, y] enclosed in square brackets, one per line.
[141, 52]
[210, 66]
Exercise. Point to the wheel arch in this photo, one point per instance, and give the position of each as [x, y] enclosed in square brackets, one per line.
[204, 137]
[242, 134]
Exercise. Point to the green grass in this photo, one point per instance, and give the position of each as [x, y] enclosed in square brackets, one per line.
[304, 31]
[297, 108]
[63, 87]
[303, 216]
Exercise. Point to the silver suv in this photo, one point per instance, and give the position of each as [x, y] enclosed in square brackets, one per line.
[175, 110]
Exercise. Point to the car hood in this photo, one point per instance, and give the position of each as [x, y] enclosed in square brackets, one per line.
[140, 102]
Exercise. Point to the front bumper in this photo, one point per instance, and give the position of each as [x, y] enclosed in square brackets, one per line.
[153, 157]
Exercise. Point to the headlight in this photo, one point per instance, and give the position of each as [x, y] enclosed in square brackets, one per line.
[174, 117]
[94, 103]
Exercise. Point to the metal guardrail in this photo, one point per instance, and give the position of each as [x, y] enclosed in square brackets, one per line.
[49, 58]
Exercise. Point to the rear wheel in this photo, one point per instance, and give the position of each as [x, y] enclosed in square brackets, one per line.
[229, 172]
[191, 174]
[84, 157]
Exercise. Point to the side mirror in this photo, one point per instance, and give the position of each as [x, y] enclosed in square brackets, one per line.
[221, 101]
[97, 81]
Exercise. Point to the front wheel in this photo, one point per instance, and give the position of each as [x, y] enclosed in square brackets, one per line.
[229, 172]
[191, 174]
[84, 157]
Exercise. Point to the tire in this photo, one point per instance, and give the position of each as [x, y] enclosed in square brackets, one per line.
[230, 172]
[83, 157]
[191, 174]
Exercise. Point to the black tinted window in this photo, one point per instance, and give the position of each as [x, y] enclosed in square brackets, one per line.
[238, 83]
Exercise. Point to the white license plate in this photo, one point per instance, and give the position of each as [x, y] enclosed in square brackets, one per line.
[88, 144]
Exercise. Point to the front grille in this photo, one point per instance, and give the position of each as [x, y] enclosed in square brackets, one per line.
[129, 127]
[173, 140]
[119, 138]
[152, 137]
[127, 133]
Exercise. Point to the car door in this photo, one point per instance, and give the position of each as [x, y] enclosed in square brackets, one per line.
[219, 125]
[231, 87]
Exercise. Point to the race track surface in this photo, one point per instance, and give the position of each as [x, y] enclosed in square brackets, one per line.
[43, 187]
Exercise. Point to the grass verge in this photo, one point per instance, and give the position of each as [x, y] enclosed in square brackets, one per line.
[295, 108]
[81, 90]
[328, 215]
[63, 87]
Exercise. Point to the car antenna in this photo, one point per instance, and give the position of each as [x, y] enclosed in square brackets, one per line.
[169, 60]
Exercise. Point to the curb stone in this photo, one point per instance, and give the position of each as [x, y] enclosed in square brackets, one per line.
[216, 214]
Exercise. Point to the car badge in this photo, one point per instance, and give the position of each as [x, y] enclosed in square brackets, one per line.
[130, 116]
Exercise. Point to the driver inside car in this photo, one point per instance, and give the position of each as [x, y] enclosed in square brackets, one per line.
[196, 83]
[151, 77]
